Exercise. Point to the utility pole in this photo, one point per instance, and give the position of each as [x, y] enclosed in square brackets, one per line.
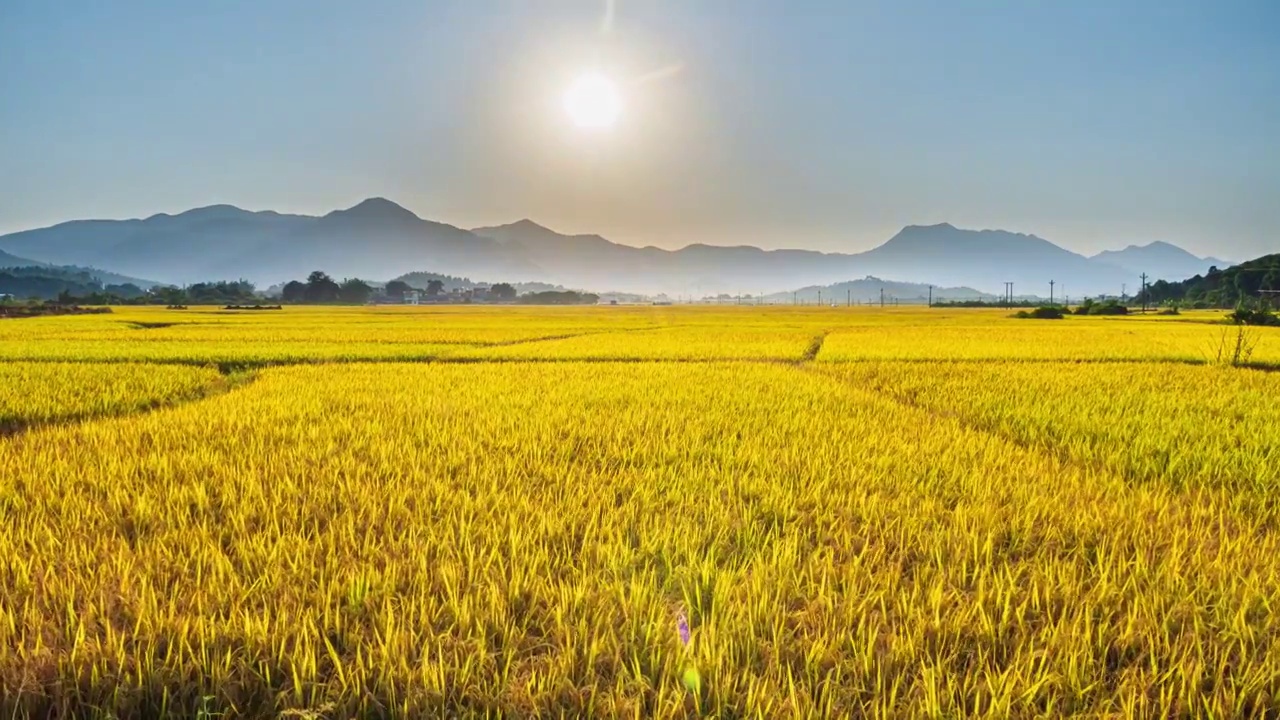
[819, 298]
[1050, 292]
[881, 297]
[930, 296]
[793, 298]
[1144, 293]
[848, 297]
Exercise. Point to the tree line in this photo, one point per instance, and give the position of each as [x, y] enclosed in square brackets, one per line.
[1247, 283]
[82, 288]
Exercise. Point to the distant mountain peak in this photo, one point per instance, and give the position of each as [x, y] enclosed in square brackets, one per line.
[376, 207]
[1151, 249]
[527, 224]
[523, 228]
[208, 212]
[215, 208]
[1153, 245]
[938, 227]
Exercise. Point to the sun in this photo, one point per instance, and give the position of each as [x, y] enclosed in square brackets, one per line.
[593, 101]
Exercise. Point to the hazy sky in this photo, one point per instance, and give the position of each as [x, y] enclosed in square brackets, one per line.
[1093, 123]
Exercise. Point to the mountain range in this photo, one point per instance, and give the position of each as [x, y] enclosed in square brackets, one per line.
[378, 239]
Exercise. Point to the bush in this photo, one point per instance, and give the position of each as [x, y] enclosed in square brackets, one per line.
[1110, 307]
[1169, 311]
[1044, 312]
[1244, 316]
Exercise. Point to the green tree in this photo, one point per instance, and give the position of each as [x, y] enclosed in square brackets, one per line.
[169, 295]
[503, 291]
[435, 287]
[293, 291]
[355, 291]
[396, 289]
[321, 288]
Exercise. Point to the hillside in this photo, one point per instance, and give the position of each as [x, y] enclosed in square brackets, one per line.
[868, 291]
[73, 275]
[47, 283]
[10, 261]
[420, 279]
[1222, 288]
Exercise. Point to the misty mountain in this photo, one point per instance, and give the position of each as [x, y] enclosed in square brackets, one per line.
[940, 255]
[593, 261]
[374, 239]
[378, 239]
[986, 259]
[1160, 260]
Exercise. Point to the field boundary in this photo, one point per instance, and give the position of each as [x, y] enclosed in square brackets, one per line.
[220, 386]
[1050, 450]
[230, 367]
[566, 336]
[815, 347]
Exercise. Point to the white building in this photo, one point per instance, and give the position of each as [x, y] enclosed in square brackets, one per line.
[412, 297]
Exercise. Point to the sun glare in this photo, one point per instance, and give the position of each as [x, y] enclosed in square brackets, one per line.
[593, 101]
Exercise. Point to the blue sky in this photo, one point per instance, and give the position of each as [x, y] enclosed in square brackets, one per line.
[783, 124]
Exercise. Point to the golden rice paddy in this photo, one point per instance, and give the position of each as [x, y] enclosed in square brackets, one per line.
[502, 512]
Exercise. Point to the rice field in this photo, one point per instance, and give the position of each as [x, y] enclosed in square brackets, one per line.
[517, 512]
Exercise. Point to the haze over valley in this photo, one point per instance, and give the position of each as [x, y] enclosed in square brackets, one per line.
[378, 239]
